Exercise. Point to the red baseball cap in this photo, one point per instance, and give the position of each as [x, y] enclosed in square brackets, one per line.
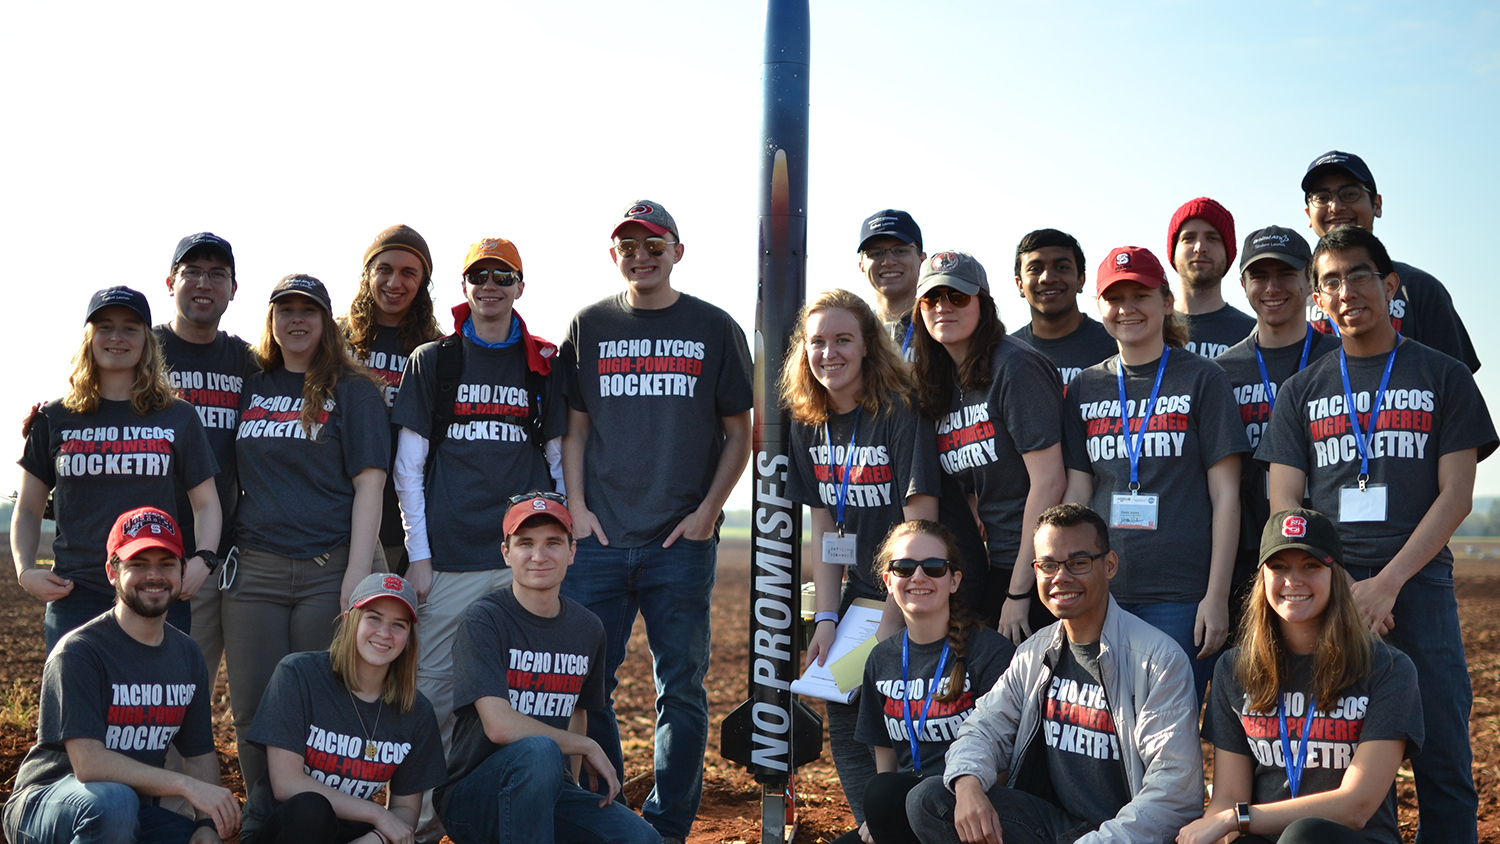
[1129, 263]
[537, 505]
[142, 528]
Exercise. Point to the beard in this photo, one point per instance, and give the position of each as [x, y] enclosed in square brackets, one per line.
[138, 605]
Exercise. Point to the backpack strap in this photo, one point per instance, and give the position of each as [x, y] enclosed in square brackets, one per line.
[450, 369]
[536, 410]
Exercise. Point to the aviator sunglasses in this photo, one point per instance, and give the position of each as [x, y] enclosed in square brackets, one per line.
[933, 567]
[931, 298]
[655, 246]
[528, 496]
[504, 278]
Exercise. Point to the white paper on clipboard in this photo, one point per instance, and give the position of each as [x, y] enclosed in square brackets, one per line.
[857, 625]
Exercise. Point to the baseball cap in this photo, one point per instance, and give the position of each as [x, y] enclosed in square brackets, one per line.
[494, 247]
[649, 214]
[402, 237]
[1336, 160]
[538, 506]
[383, 585]
[1277, 242]
[1129, 263]
[892, 223]
[209, 239]
[142, 528]
[119, 295]
[958, 270]
[299, 284]
[1305, 530]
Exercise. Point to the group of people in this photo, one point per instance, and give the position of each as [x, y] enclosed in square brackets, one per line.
[1066, 524]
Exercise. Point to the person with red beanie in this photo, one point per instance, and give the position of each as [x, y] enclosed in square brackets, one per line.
[1200, 242]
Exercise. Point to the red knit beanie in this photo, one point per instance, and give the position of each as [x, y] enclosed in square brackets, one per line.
[1213, 213]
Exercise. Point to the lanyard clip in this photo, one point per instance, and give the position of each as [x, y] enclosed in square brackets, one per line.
[841, 524]
[1135, 487]
[1363, 479]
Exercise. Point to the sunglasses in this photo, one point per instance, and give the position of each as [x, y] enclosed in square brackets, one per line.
[655, 246]
[931, 298]
[932, 567]
[504, 278]
[529, 496]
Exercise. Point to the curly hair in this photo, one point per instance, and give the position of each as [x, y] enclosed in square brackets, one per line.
[152, 389]
[883, 374]
[417, 327]
[933, 369]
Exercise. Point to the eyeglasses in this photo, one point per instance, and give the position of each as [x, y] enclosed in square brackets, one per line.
[931, 298]
[900, 253]
[529, 496]
[504, 278]
[193, 275]
[1358, 278]
[1079, 565]
[1347, 194]
[655, 246]
[932, 567]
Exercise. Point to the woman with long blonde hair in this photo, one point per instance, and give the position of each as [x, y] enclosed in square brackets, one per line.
[118, 440]
[1311, 715]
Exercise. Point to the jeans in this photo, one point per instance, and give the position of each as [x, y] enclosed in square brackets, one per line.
[670, 588]
[1024, 817]
[1177, 620]
[522, 794]
[83, 605]
[1426, 614]
[72, 812]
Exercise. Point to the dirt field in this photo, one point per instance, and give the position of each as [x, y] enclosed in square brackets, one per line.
[731, 802]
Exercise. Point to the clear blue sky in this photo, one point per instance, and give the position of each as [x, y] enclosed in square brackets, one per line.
[299, 130]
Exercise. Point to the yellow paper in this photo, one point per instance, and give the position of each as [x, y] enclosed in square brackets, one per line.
[849, 669]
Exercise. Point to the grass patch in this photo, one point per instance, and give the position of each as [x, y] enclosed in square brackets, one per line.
[19, 705]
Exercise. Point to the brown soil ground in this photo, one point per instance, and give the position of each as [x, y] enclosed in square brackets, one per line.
[730, 812]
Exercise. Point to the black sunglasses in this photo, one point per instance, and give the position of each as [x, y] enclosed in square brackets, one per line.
[932, 567]
[529, 496]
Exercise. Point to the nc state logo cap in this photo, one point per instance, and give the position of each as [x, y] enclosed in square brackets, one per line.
[538, 504]
[1122, 259]
[1294, 527]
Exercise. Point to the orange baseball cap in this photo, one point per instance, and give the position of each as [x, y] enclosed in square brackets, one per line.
[494, 247]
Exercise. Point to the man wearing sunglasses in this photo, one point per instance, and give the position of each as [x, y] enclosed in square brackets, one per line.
[659, 400]
[480, 414]
[1200, 241]
[1090, 735]
[890, 257]
[1338, 190]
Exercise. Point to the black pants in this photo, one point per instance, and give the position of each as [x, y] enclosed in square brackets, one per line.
[308, 818]
[885, 810]
[1312, 831]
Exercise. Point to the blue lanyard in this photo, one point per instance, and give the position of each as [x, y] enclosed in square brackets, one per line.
[912, 733]
[1133, 441]
[1364, 440]
[1265, 379]
[848, 457]
[906, 344]
[1295, 764]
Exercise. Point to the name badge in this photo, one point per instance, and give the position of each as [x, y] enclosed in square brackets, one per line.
[839, 550]
[1133, 511]
[1362, 505]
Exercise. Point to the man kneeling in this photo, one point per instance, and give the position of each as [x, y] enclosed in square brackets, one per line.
[1091, 735]
[528, 665]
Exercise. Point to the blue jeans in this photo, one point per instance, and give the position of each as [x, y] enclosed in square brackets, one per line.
[1426, 630]
[507, 798]
[83, 605]
[1177, 620]
[72, 812]
[670, 588]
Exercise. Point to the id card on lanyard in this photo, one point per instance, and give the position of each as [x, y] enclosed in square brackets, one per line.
[839, 548]
[1135, 510]
[1365, 502]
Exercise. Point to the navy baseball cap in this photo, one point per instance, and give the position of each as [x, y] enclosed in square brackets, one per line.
[1336, 160]
[1277, 242]
[122, 296]
[897, 224]
[300, 284]
[209, 239]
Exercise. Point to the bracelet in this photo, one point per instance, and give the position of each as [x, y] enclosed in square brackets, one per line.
[1018, 596]
[1242, 814]
[206, 823]
[379, 835]
[819, 618]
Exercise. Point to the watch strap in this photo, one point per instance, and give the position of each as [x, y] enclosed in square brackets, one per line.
[1242, 811]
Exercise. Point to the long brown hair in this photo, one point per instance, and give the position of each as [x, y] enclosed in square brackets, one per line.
[418, 326]
[152, 390]
[882, 372]
[961, 624]
[330, 364]
[400, 676]
[933, 369]
[1174, 330]
[1343, 656]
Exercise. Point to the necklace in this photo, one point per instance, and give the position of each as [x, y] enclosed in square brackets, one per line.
[370, 751]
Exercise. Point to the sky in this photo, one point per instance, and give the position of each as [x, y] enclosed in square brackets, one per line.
[300, 130]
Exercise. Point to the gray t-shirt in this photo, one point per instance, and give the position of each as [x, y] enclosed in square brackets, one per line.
[656, 384]
[1087, 345]
[982, 439]
[210, 377]
[1211, 334]
[894, 458]
[99, 683]
[101, 464]
[1433, 408]
[1384, 706]
[1422, 310]
[487, 456]
[287, 477]
[1083, 747]
[545, 667]
[1195, 424]
[881, 720]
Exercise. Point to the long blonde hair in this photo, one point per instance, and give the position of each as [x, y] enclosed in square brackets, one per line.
[883, 373]
[400, 676]
[152, 390]
[331, 363]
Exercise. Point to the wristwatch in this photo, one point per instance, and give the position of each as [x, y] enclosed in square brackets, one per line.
[210, 559]
[1242, 811]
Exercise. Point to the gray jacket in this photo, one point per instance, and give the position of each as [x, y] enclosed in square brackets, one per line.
[1149, 684]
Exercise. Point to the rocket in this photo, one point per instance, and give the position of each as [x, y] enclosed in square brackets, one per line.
[772, 732]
